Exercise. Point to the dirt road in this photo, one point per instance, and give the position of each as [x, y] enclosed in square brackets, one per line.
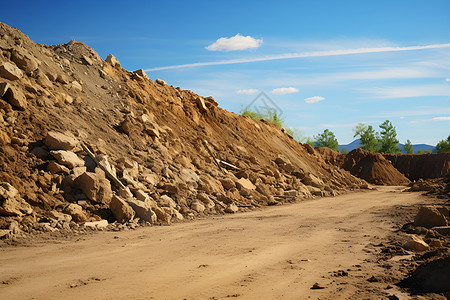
[273, 253]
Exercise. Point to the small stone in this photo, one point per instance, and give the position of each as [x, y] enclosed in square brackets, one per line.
[160, 82]
[11, 204]
[227, 183]
[198, 207]
[416, 243]
[60, 141]
[87, 60]
[231, 209]
[317, 286]
[67, 158]
[77, 213]
[141, 73]
[245, 183]
[97, 224]
[55, 168]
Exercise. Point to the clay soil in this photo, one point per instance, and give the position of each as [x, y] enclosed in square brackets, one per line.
[271, 253]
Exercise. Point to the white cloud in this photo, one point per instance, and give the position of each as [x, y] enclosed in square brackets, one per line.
[447, 79]
[408, 91]
[314, 99]
[441, 119]
[300, 55]
[237, 42]
[284, 91]
[247, 91]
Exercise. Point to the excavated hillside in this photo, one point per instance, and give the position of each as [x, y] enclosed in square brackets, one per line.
[425, 166]
[83, 140]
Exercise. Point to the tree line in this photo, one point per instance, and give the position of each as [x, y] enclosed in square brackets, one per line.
[384, 141]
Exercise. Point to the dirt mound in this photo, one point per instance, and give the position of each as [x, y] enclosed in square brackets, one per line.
[373, 167]
[425, 166]
[82, 139]
[431, 277]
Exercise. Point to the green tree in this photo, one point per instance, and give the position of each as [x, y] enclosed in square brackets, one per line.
[367, 136]
[327, 139]
[344, 151]
[426, 151]
[408, 147]
[443, 146]
[420, 152]
[388, 138]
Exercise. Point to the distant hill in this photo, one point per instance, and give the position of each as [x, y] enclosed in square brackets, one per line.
[357, 143]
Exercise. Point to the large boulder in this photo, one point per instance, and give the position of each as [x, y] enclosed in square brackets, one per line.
[16, 98]
[121, 210]
[142, 210]
[95, 186]
[429, 216]
[10, 71]
[11, 204]
[112, 60]
[67, 158]
[60, 141]
[25, 61]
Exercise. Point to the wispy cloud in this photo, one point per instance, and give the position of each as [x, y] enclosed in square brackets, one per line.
[447, 79]
[441, 119]
[284, 91]
[408, 91]
[302, 55]
[314, 99]
[247, 91]
[237, 42]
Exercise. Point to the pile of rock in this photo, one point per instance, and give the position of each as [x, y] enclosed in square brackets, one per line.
[431, 222]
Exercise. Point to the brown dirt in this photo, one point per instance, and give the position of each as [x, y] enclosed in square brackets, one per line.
[372, 167]
[424, 166]
[108, 114]
[274, 253]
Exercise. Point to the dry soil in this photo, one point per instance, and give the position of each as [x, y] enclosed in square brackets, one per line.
[271, 253]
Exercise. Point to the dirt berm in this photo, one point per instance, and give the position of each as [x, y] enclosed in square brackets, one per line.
[372, 167]
[424, 166]
[84, 140]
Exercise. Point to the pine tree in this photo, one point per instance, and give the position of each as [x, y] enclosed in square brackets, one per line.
[408, 147]
[327, 139]
[388, 138]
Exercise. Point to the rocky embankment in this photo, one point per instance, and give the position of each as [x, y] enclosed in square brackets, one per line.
[86, 143]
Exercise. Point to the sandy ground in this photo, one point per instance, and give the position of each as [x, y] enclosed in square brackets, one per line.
[272, 253]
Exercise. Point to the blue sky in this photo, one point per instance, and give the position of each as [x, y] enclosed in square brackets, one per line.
[317, 84]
